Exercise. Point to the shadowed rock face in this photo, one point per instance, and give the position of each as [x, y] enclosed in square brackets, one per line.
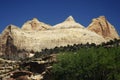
[6, 42]
[102, 27]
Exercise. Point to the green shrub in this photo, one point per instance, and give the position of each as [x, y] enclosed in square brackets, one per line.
[88, 64]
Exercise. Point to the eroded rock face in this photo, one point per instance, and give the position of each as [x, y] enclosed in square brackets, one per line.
[35, 24]
[102, 27]
[6, 42]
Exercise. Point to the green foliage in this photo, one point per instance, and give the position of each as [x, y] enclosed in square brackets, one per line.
[88, 64]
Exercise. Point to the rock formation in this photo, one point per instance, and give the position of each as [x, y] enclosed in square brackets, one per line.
[7, 66]
[14, 39]
[32, 69]
[17, 43]
[35, 35]
[102, 27]
[69, 23]
[35, 24]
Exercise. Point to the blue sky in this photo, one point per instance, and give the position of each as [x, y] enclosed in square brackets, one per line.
[55, 11]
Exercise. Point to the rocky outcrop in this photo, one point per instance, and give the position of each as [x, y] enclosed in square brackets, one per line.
[32, 69]
[14, 39]
[68, 23]
[6, 67]
[103, 28]
[35, 24]
[35, 36]
[40, 67]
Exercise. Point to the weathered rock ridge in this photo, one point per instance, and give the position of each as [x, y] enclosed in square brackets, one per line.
[103, 28]
[35, 35]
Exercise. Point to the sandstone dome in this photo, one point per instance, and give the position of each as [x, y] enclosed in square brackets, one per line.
[35, 35]
[38, 40]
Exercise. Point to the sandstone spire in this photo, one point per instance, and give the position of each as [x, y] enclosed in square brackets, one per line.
[102, 27]
[35, 20]
[69, 23]
[35, 24]
[70, 18]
